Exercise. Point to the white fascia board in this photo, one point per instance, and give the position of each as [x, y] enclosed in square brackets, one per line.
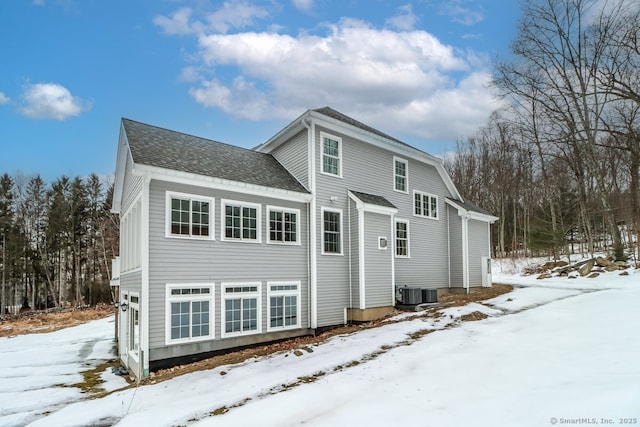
[121, 166]
[187, 178]
[471, 214]
[291, 129]
[368, 207]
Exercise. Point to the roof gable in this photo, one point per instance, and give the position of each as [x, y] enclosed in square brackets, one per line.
[167, 149]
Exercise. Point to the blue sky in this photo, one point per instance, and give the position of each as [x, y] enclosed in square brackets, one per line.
[238, 71]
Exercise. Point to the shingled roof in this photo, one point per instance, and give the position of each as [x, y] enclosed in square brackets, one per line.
[373, 199]
[469, 206]
[330, 112]
[154, 146]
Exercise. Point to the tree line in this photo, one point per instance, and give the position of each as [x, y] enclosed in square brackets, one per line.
[560, 164]
[57, 241]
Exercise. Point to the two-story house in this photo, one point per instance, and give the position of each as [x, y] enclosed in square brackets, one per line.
[224, 247]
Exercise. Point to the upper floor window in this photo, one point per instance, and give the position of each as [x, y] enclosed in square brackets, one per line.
[283, 225]
[331, 154]
[241, 221]
[331, 231]
[400, 174]
[425, 205]
[189, 216]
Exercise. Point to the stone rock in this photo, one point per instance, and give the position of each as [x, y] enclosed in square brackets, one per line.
[593, 275]
[572, 277]
[586, 267]
[603, 262]
[561, 263]
[298, 353]
[624, 273]
[622, 265]
[544, 276]
[611, 267]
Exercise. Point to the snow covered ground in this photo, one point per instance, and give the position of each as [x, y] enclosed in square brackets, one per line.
[554, 350]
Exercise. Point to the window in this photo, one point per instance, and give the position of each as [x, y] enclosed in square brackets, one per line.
[402, 238]
[425, 205]
[241, 309]
[189, 216]
[400, 174]
[189, 313]
[284, 305]
[331, 231]
[283, 225]
[331, 154]
[241, 221]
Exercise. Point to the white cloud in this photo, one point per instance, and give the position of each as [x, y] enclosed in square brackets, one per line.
[304, 5]
[51, 101]
[459, 12]
[398, 80]
[4, 99]
[404, 20]
[402, 81]
[231, 15]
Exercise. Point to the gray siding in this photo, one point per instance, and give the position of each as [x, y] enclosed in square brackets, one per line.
[294, 155]
[378, 278]
[352, 245]
[369, 169]
[478, 248]
[176, 261]
[455, 247]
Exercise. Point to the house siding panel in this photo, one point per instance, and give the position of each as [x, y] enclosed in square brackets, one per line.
[378, 278]
[175, 261]
[478, 248]
[369, 169]
[294, 155]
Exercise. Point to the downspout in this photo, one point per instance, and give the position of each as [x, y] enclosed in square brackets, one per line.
[448, 245]
[392, 245]
[350, 266]
[313, 293]
[465, 251]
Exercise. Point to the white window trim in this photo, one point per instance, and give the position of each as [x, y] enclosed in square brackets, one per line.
[324, 209]
[182, 298]
[271, 293]
[190, 197]
[257, 294]
[133, 306]
[380, 239]
[395, 234]
[131, 237]
[324, 135]
[406, 177]
[223, 220]
[422, 194]
[268, 225]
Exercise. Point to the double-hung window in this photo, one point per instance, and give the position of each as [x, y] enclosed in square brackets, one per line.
[189, 216]
[189, 313]
[241, 221]
[425, 205]
[402, 238]
[331, 231]
[400, 175]
[283, 225]
[284, 305]
[240, 309]
[331, 154]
